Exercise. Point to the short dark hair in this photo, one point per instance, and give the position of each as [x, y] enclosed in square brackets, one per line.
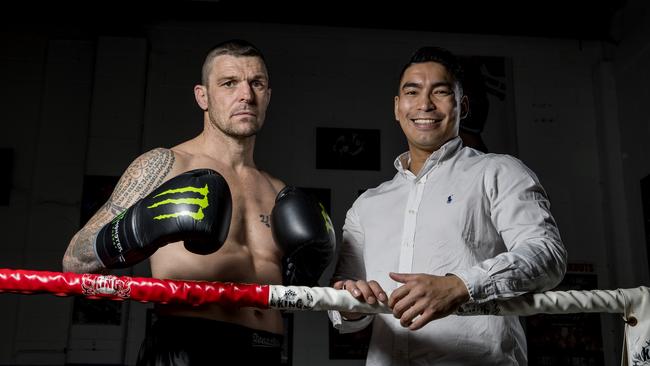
[232, 47]
[438, 55]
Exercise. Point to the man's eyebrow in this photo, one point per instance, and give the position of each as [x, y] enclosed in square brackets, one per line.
[259, 77]
[414, 84]
[226, 78]
[443, 83]
[411, 84]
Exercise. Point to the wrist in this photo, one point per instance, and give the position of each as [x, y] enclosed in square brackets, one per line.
[461, 290]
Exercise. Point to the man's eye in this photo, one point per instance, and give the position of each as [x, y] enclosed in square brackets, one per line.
[410, 92]
[442, 92]
[228, 84]
[257, 84]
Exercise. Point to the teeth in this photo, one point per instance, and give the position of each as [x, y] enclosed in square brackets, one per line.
[424, 121]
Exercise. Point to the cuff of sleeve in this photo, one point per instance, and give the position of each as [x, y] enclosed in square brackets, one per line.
[348, 326]
[478, 284]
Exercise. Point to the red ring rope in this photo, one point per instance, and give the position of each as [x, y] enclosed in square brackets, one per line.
[111, 287]
[633, 303]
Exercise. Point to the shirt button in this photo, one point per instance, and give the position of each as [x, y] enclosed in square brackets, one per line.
[411, 211]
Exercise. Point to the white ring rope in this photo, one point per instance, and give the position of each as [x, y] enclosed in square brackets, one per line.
[549, 302]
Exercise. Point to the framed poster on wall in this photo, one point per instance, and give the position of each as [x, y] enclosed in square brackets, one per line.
[567, 339]
[490, 124]
[347, 148]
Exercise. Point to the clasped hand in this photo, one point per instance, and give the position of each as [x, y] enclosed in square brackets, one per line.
[421, 299]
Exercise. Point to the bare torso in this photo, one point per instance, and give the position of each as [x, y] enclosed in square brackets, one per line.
[249, 254]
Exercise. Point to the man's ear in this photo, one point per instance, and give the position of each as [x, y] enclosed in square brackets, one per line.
[464, 107]
[201, 96]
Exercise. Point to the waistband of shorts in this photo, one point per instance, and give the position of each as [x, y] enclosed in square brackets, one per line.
[257, 337]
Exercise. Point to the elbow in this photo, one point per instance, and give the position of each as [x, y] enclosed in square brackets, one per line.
[557, 265]
[70, 263]
[66, 264]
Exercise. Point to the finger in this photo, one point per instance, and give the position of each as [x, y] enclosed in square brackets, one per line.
[421, 320]
[400, 277]
[409, 314]
[351, 286]
[398, 294]
[366, 291]
[339, 285]
[378, 291]
[402, 306]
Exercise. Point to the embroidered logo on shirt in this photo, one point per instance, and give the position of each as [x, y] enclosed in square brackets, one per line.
[450, 198]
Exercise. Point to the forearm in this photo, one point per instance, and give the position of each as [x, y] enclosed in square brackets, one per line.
[80, 256]
[529, 268]
[535, 257]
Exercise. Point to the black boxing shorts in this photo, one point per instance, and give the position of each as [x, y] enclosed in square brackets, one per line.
[175, 340]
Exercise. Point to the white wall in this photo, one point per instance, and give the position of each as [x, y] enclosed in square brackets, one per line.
[121, 96]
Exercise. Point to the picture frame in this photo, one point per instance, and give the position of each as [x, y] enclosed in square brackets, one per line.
[567, 339]
[348, 148]
[490, 124]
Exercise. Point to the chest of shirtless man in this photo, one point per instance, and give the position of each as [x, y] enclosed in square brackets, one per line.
[249, 254]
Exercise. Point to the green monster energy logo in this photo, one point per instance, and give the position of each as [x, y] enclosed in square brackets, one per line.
[201, 202]
[328, 222]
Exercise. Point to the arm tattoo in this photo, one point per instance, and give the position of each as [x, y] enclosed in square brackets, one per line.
[143, 176]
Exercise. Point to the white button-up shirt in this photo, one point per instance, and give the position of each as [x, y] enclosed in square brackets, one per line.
[482, 217]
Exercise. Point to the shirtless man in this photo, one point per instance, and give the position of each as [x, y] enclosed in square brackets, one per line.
[234, 96]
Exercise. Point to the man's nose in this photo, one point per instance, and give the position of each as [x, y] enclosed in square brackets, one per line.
[426, 103]
[246, 93]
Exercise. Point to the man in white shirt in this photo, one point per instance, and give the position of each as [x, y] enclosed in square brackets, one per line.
[453, 226]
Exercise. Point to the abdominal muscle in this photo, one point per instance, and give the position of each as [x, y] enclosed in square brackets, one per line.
[232, 263]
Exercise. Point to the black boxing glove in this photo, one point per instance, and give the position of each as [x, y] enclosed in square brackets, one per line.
[195, 206]
[303, 230]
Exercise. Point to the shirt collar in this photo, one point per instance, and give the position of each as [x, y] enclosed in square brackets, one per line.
[446, 151]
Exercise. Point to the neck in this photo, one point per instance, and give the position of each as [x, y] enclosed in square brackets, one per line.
[237, 153]
[418, 158]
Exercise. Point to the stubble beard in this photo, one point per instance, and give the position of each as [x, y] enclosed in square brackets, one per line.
[231, 131]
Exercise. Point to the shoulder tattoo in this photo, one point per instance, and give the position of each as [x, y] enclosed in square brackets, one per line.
[143, 175]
